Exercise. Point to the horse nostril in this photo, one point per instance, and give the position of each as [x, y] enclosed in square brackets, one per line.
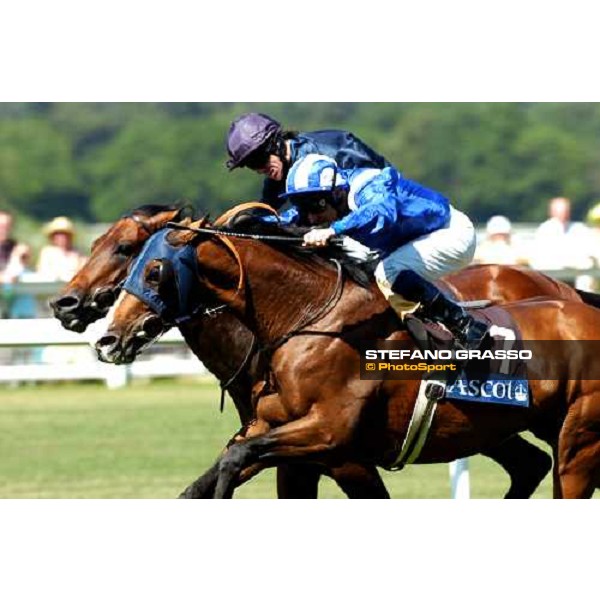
[65, 303]
[107, 342]
[152, 327]
[104, 299]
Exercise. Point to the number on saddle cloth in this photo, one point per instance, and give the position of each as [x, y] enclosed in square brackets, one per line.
[491, 380]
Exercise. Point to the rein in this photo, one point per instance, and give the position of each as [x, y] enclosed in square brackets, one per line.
[215, 310]
[248, 236]
[225, 386]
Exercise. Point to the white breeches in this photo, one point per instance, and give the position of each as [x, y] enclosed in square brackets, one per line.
[433, 255]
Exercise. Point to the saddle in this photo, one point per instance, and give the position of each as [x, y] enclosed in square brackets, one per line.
[497, 360]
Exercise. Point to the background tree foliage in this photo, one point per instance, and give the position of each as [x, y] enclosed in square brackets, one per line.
[95, 161]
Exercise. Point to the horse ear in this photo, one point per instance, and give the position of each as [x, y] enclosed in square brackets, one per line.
[203, 222]
[187, 211]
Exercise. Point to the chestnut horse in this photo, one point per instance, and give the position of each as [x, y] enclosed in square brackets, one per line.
[321, 411]
[89, 295]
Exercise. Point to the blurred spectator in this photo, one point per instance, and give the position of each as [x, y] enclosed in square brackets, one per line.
[593, 221]
[497, 248]
[59, 261]
[559, 242]
[7, 244]
[19, 269]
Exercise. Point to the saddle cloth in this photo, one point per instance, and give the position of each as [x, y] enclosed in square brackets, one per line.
[489, 380]
[496, 373]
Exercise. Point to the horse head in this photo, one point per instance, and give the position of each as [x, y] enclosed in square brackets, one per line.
[182, 275]
[93, 290]
[161, 290]
[134, 325]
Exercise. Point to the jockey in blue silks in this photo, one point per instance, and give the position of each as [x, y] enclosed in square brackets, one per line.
[418, 236]
[258, 142]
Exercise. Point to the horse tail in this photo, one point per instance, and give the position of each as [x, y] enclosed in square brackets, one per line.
[589, 298]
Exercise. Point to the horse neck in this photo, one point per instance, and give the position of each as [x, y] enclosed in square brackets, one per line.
[222, 345]
[280, 291]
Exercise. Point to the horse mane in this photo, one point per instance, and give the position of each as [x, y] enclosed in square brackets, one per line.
[151, 210]
[359, 271]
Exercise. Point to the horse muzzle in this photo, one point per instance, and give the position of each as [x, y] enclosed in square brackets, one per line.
[69, 310]
[76, 310]
[115, 349]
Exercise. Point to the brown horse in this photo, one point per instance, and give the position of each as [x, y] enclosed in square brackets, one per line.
[91, 292]
[323, 412]
[221, 343]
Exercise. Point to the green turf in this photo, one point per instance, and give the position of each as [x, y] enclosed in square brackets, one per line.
[149, 441]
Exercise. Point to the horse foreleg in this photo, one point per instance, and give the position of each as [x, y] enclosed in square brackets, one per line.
[525, 464]
[309, 436]
[204, 486]
[360, 482]
[355, 480]
[300, 482]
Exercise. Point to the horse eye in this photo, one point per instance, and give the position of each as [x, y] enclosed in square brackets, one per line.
[124, 249]
[153, 275]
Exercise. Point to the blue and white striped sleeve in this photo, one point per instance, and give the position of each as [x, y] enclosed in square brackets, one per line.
[289, 217]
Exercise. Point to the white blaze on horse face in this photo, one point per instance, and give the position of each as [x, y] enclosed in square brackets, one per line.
[113, 309]
[103, 326]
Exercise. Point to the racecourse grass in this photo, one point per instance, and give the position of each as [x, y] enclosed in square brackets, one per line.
[151, 440]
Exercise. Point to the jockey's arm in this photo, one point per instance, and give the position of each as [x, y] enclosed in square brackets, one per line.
[371, 217]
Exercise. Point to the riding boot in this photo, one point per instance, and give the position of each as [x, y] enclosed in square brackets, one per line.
[468, 332]
[436, 306]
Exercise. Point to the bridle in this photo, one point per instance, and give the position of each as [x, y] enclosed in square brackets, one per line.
[115, 289]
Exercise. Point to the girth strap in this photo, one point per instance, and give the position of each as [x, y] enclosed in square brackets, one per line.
[430, 392]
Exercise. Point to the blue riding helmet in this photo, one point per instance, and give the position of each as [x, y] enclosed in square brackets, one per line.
[183, 303]
[311, 175]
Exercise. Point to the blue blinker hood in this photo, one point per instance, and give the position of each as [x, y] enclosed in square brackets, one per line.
[180, 302]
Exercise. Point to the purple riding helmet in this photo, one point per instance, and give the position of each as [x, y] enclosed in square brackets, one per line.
[247, 134]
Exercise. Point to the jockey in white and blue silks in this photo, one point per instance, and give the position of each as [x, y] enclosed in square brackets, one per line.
[418, 235]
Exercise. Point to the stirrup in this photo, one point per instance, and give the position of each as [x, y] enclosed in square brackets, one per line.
[472, 336]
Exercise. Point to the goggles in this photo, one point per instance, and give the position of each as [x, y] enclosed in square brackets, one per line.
[314, 204]
[259, 158]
